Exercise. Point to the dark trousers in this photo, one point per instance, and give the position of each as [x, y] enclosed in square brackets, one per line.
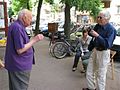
[19, 80]
[78, 55]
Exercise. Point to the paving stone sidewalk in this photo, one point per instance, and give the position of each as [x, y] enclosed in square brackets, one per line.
[55, 74]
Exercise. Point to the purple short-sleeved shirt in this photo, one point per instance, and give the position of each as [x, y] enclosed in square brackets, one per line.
[16, 39]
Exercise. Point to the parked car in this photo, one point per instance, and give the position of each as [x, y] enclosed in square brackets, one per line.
[116, 46]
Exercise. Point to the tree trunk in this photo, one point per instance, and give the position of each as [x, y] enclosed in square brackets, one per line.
[28, 7]
[38, 17]
[67, 21]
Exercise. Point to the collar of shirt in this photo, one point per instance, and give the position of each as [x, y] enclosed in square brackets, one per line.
[105, 26]
[20, 23]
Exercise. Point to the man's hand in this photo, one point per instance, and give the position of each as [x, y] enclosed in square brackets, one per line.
[30, 44]
[38, 38]
[94, 33]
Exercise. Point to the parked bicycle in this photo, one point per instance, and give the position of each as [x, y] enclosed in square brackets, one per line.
[64, 47]
[58, 37]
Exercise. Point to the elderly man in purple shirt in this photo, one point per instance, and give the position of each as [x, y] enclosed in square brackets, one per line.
[19, 51]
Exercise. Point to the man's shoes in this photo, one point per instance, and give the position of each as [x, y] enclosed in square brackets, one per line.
[88, 89]
[85, 89]
[74, 69]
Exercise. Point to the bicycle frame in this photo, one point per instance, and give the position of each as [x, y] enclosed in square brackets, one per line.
[63, 47]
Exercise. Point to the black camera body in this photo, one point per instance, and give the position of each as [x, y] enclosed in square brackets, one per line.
[89, 29]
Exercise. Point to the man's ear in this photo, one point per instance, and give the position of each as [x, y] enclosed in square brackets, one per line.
[24, 18]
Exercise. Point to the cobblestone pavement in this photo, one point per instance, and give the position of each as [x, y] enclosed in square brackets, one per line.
[55, 74]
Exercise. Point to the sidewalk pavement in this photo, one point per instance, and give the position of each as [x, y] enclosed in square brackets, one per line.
[50, 73]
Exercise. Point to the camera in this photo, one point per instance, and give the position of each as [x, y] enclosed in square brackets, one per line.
[89, 29]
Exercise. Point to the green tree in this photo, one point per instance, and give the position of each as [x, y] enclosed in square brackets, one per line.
[38, 17]
[91, 6]
[50, 1]
[38, 14]
[10, 12]
[20, 4]
[68, 5]
[67, 20]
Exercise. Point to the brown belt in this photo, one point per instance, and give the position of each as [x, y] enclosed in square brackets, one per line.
[100, 49]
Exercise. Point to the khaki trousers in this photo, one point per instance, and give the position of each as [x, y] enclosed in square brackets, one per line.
[97, 69]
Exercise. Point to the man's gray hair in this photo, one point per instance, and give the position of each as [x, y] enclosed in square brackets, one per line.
[22, 13]
[106, 14]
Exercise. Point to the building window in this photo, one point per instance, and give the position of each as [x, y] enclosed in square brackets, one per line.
[118, 9]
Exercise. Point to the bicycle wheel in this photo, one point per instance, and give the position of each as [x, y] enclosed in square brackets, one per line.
[60, 50]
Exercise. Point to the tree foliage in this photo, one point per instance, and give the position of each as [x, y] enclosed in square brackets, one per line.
[50, 1]
[91, 6]
[20, 4]
[55, 8]
[10, 12]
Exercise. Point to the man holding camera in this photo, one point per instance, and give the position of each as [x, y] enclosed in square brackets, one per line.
[103, 36]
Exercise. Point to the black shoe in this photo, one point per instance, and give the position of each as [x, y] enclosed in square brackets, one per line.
[87, 89]
[74, 69]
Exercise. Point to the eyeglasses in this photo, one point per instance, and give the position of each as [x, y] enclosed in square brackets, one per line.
[100, 17]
